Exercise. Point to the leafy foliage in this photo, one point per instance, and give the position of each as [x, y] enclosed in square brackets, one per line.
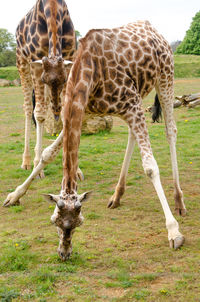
[7, 48]
[9, 73]
[191, 42]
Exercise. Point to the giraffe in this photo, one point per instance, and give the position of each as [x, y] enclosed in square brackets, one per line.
[45, 36]
[113, 71]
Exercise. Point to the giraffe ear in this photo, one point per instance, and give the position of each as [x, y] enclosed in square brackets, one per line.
[37, 62]
[51, 197]
[67, 62]
[85, 196]
[54, 199]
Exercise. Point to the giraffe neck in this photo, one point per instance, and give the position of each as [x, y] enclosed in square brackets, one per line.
[51, 10]
[75, 104]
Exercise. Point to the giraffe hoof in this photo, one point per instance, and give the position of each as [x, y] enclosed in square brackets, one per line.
[40, 175]
[181, 212]
[8, 202]
[112, 204]
[80, 175]
[26, 167]
[177, 242]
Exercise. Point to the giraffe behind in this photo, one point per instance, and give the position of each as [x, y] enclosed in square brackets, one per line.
[45, 38]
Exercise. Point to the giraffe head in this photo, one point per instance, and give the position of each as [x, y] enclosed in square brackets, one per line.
[67, 216]
[54, 75]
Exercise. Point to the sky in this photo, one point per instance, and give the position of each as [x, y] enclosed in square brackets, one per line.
[170, 17]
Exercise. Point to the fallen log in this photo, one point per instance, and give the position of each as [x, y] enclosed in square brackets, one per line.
[188, 98]
[194, 103]
[177, 103]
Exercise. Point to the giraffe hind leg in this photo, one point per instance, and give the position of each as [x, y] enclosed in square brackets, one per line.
[166, 96]
[114, 201]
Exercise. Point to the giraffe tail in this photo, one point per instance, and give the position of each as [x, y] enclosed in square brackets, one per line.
[33, 102]
[157, 110]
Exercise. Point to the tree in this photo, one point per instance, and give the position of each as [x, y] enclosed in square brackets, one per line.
[191, 42]
[174, 45]
[7, 48]
[78, 35]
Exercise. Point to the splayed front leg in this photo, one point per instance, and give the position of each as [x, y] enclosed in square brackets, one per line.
[150, 167]
[13, 198]
[176, 239]
[48, 156]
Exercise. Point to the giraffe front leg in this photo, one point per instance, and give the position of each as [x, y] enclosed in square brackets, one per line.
[26, 159]
[41, 101]
[176, 239]
[114, 201]
[48, 156]
[25, 76]
[38, 147]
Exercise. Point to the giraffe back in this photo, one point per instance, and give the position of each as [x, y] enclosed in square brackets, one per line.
[46, 30]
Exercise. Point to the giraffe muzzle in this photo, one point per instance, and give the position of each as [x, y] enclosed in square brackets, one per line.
[56, 116]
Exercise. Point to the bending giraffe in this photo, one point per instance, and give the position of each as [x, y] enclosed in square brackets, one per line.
[113, 71]
[45, 38]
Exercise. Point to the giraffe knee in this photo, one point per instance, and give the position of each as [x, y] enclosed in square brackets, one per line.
[151, 169]
[149, 172]
[39, 118]
[47, 155]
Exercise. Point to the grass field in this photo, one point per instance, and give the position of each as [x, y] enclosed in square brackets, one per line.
[186, 66]
[118, 255]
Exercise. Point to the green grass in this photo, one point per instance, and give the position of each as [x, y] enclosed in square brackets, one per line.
[186, 66]
[118, 255]
[9, 73]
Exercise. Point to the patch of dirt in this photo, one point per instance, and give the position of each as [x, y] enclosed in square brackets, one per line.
[187, 81]
[112, 292]
[166, 281]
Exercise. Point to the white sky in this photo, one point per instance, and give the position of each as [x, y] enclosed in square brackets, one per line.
[170, 17]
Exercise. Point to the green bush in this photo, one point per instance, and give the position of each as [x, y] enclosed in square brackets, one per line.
[9, 73]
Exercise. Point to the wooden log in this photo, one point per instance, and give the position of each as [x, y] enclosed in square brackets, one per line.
[192, 97]
[180, 97]
[185, 99]
[194, 104]
[177, 103]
